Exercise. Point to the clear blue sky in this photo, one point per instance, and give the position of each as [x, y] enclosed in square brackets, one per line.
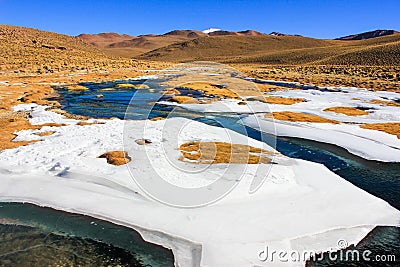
[318, 18]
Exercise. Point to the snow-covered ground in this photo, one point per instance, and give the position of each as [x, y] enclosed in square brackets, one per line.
[300, 206]
[369, 144]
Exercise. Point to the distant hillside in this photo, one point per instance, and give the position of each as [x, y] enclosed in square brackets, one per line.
[186, 33]
[380, 51]
[124, 45]
[267, 49]
[241, 33]
[26, 50]
[368, 35]
[104, 39]
[224, 47]
[282, 34]
[114, 44]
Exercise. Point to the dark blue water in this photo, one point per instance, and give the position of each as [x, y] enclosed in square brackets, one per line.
[377, 178]
[105, 238]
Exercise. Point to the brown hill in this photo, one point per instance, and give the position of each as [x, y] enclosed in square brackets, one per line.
[368, 35]
[114, 44]
[250, 33]
[381, 51]
[186, 33]
[267, 49]
[26, 51]
[240, 33]
[127, 46]
[103, 39]
[142, 44]
[227, 47]
[282, 34]
[221, 33]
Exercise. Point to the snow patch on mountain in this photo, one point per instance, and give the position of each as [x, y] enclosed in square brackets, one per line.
[209, 30]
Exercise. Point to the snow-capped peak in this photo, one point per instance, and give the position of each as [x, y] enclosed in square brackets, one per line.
[211, 30]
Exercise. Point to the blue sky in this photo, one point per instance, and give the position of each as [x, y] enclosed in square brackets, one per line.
[322, 19]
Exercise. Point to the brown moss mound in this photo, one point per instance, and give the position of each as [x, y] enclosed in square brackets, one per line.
[116, 157]
[76, 88]
[84, 123]
[264, 87]
[157, 119]
[390, 127]
[172, 91]
[184, 100]
[221, 152]
[384, 103]
[282, 100]
[298, 117]
[211, 89]
[131, 86]
[349, 111]
[45, 133]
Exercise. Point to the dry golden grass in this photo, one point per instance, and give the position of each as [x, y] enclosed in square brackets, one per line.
[76, 88]
[116, 157]
[377, 78]
[26, 52]
[45, 133]
[210, 89]
[172, 91]
[298, 117]
[282, 100]
[13, 122]
[84, 123]
[131, 86]
[221, 152]
[390, 127]
[26, 93]
[384, 102]
[8, 127]
[29, 50]
[157, 119]
[270, 88]
[184, 100]
[349, 111]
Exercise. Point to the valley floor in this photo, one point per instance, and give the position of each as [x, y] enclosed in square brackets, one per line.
[51, 158]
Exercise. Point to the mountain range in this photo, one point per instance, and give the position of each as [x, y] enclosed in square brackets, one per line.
[368, 35]
[126, 45]
[31, 49]
[215, 44]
